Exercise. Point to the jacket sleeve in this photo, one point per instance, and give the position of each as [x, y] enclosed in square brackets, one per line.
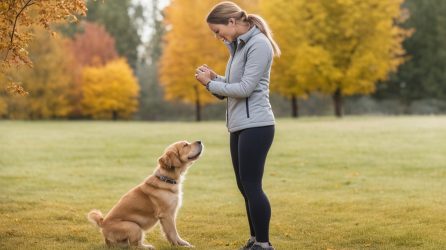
[259, 56]
[219, 78]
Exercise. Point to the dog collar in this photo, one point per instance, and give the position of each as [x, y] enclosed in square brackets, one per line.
[166, 179]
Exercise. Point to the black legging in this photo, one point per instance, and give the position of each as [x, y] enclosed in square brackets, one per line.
[249, 148]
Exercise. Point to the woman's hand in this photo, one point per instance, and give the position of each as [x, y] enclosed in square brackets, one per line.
[204, 67]
[203, 75]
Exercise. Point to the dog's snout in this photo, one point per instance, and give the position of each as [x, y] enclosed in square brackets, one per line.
[199, 142]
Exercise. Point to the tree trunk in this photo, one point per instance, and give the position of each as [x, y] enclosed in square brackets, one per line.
[337, 101]
[114, 115]
[294, 106]
[405, 103]
[197, 105]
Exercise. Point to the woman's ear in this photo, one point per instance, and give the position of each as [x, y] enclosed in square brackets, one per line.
[231, 21]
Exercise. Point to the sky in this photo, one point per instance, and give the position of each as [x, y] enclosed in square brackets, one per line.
[147, 28]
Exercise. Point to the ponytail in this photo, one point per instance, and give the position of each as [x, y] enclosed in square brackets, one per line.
[221, 13]
[261, 24]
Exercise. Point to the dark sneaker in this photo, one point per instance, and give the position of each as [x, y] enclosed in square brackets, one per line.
[258, 247]
[248, 245]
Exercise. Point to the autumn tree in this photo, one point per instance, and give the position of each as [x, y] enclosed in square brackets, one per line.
[92, 47]
[119, 19]
[190, 43]
[284, 77]
[16, 18]
[342, 47]
[109, 91]
[49, 82]
[3, 108]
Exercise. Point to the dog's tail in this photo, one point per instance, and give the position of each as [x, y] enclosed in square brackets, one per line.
[95, 217]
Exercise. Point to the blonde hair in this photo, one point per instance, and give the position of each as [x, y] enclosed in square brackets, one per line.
[222, 12]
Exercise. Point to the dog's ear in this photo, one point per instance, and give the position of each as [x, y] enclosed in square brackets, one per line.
[166, 161]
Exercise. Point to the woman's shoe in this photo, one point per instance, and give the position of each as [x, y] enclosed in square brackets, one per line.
[248, 245]
[256, 246]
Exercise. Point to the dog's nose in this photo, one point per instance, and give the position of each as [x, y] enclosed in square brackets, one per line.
[199, 142]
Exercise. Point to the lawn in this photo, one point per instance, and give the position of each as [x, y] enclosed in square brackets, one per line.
[351, 183]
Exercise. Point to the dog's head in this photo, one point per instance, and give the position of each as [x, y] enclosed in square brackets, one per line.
[180, 155]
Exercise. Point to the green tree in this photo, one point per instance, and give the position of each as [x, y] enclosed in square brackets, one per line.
[422, 76]
[151, 100]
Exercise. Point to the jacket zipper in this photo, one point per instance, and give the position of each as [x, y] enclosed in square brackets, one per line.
[229, 74]
[247, 107]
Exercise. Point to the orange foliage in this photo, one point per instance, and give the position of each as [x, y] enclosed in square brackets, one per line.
[16, 16]
[95, 46]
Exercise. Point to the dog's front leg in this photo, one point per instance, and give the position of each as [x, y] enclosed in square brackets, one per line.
[169, 228]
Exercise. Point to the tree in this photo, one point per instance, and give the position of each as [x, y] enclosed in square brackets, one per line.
[284, 77]
[343, 47]
[151, 100]
[16, 18]
[49, 81]
[114, 15]
[422, 76]
[189, 43]
[109, 91]
[3, 108]
[94, 46]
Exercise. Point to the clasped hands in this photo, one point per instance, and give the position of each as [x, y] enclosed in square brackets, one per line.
[204, 74]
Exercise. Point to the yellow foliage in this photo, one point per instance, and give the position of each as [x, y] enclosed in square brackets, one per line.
[16, 18]
[282, 20]
[190, 43]
[109, 91]
[48, 82]
[329, 45]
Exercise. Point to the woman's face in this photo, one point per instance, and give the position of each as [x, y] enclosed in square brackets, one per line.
[224, 32]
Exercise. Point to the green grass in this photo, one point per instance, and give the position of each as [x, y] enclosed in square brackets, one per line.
[355, 183]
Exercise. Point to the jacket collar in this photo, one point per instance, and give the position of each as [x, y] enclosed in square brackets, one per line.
[244, 38]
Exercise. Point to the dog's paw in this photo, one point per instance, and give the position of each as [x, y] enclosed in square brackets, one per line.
[147, 246]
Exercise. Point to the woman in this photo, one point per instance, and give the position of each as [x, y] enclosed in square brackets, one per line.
[249, 116]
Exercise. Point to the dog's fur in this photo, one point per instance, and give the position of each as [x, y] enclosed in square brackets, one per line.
[150, 202]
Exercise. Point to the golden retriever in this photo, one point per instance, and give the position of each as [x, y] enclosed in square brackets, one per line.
[156, 199]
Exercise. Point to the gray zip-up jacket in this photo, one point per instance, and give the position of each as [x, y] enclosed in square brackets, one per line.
[246, 82]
